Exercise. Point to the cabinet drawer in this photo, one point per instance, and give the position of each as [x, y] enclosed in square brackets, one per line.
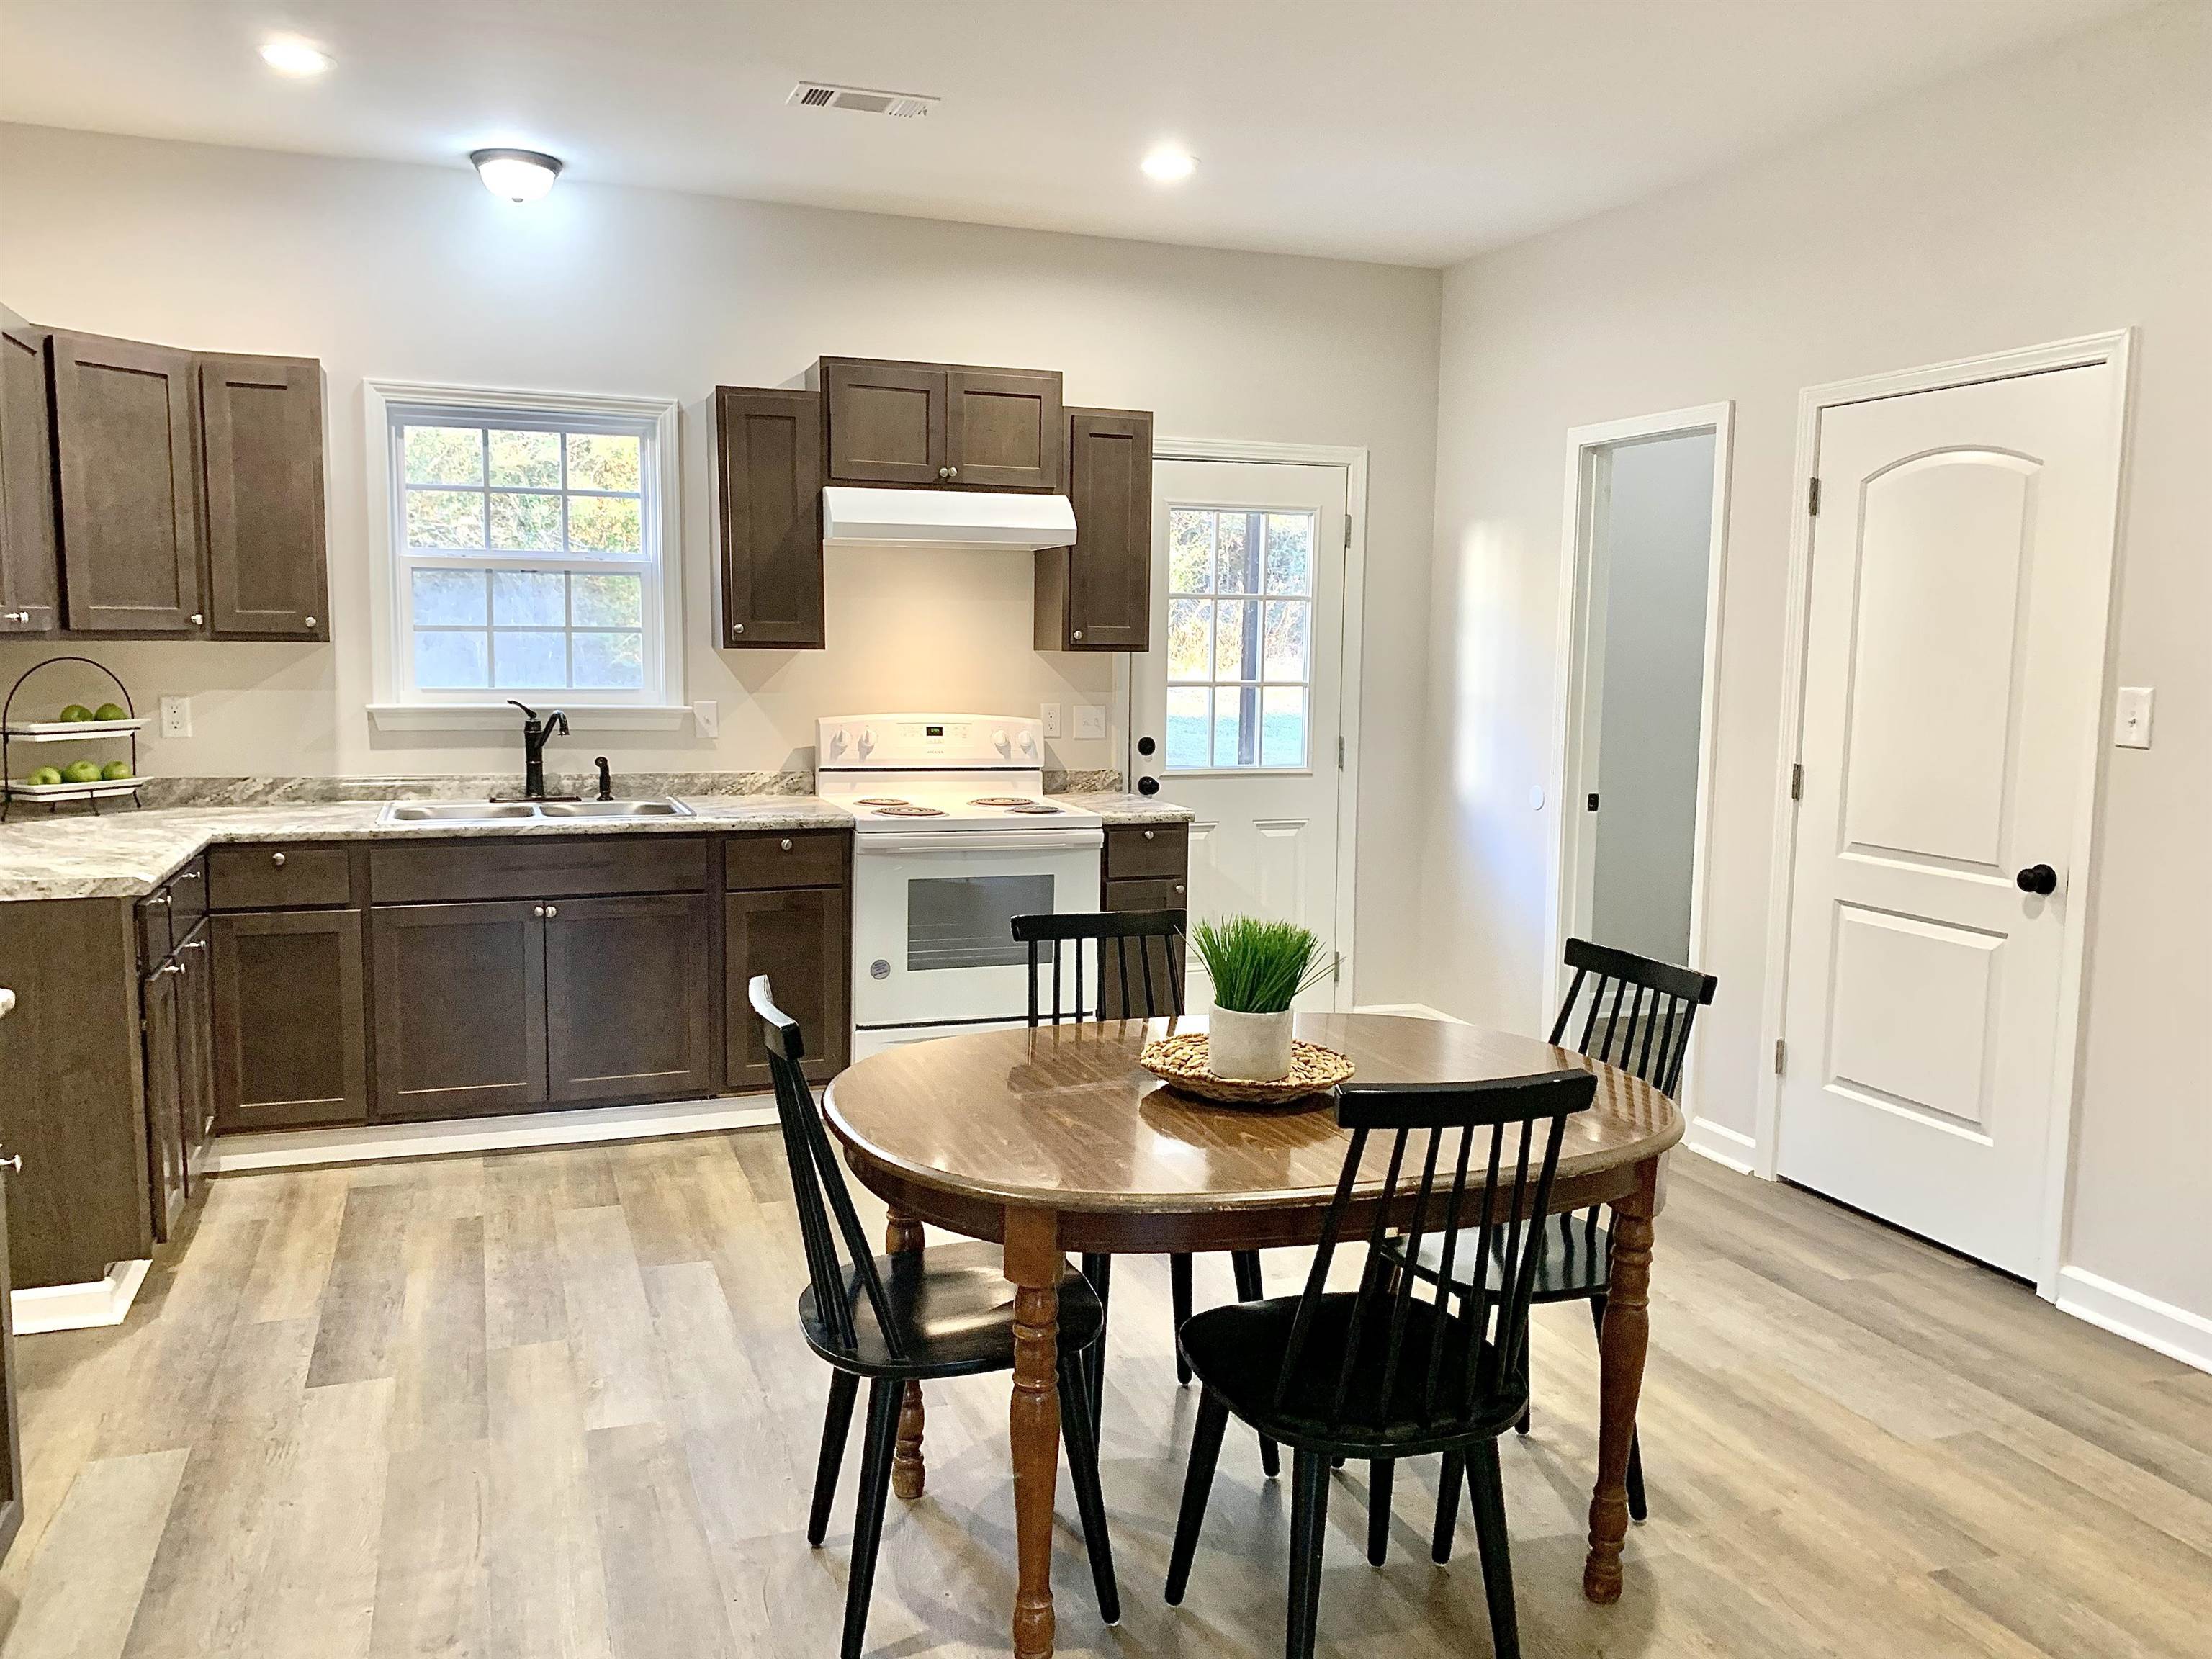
[1150, 849]
[1151, 893]
[288, 878]
[188, 897]
[537, 866]
[800, 858]
[156, 938]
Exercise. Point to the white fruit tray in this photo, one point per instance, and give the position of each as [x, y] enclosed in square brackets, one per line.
[73, 791]
[69, 730]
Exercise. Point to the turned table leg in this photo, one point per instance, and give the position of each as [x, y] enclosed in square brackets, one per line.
[1620, 1381]
[903, 1233]
[1034, 1265]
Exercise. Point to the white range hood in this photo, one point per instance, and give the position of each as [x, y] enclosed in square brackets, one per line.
[945, 518]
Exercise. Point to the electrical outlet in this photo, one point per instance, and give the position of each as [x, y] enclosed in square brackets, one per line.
[2132, 717]
[706, 715]
[1049, 713]
[176, 717]
[1089, 720]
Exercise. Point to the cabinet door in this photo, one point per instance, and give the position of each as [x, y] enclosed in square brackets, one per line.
[1097, 595]
[768, 458]
[1164, 963]
[1003, 428]
[290, 1035]
[11, 1444]
[887, 422]
[124, 437]
[165, 1122]
[262, 424]
[30, 578]
[630, 998]
[800, 940]
[460, 998]
[196, 1055]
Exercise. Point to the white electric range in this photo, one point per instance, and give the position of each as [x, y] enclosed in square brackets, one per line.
[952, 839]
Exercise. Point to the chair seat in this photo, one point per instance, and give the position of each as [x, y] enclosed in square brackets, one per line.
[1238, 1351]
[954, 1311]
[1574, 1264]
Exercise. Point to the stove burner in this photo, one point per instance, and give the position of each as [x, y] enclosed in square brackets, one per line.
[1000, 800]
[880, 800]
[903, 809]
[1035, 809]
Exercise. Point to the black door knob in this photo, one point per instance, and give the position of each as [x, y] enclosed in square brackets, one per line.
[2038, 878]
[1148, 786]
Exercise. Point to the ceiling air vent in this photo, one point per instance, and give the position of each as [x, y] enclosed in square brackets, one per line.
[820, 94]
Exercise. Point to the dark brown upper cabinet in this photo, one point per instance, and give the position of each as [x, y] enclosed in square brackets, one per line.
[942, 424]
[125, 431]
[1097, 595]
[767, 448]
[267, 558]
[30, 577]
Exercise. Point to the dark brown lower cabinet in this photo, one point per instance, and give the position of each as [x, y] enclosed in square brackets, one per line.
[460, 1008]
[11, 1445]
[630, 998]
[196, 1055]
[165, 1091]
[291, 1045]
[800, 939]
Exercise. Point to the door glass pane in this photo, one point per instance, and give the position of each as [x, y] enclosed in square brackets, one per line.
[1190, 639]
[1286, 655]
[1283, 725]
[1187, 709]
[1232, 572]
[967, 921]
[1190, 550]
[1233, 658]
[1289, 552]
[1231, 726]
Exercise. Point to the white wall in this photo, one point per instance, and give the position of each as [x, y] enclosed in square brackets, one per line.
[2059, 194]
[420, 274]
[1657, 538]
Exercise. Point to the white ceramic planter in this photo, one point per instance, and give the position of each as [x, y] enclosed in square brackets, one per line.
[1249, 1048]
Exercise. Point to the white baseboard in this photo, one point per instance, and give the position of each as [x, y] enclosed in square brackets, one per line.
[78, 1307]
[1731, 1148]
[2174, 1332]
[292, 1149]
[1410, 1010]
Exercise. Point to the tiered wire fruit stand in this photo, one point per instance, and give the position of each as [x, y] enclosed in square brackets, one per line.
[41, 732]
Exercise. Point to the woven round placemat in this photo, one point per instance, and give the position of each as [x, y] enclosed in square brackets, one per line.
[1180, 1060]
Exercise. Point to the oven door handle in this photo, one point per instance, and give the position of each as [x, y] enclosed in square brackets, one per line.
[983, 840]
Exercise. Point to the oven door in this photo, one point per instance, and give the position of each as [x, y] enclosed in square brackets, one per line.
[933, 920]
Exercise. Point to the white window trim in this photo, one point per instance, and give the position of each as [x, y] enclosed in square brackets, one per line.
[395, 706]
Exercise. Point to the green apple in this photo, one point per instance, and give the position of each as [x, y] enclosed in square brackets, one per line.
[80, 772]
[44, 775]
[77, 711]
[110, 711]
[115, 771]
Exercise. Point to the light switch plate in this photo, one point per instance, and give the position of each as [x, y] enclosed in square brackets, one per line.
[1048, 713]
[706, 715]
[1089, 720]
[176, 717]
[2132, 717]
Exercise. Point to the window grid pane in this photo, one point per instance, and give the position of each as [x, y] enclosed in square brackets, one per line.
[1240, 638]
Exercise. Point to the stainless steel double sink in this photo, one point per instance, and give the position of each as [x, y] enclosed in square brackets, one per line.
[527, 812]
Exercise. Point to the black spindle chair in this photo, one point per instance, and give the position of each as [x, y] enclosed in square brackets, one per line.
[914, 1317]
[1401, 1367]
[1151, 988]
[1636, 1014]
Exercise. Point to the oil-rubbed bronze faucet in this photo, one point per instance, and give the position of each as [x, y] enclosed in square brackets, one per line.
[535, 733]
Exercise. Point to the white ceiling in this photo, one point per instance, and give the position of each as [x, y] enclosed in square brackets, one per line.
[1364, 129]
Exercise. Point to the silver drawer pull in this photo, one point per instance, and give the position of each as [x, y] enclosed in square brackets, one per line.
[1149, 833]
[13, 1164]
[787, 843]
[158, 899]
[1179, 887]
[276, 859]
[551, 911]
[311, 621]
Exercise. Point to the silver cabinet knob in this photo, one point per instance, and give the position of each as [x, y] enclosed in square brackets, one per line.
[787, 843]
[1179, 887]
[552, 910]
[198, 619]
[951, 471]
[537, 910]
[736, 629]
[310, 621]
[276, 859]
[944, 471]
[1149, 833]
[1077, 635]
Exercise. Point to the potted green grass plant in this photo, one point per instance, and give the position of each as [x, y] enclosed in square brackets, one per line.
[1258, 969]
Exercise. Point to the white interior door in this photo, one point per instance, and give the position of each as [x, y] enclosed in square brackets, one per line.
[1954, 662]
[1234, 708]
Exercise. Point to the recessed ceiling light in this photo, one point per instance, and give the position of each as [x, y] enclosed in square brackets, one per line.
[1169, 165]
[520, 175]
[287, 54]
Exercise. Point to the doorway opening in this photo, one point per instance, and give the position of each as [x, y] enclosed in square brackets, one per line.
[1646, 531]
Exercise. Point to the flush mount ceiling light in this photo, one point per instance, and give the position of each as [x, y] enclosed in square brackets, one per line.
[1170, 165]
[520, 175]
[287, 54]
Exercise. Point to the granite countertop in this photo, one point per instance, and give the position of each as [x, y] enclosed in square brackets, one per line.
[125, 854]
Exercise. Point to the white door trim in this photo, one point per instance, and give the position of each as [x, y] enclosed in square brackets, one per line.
[2116, 349]
[1577, 546]
[1353, 460]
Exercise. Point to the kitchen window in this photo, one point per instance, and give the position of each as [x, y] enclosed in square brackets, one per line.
[1240, 638]
[531, 553]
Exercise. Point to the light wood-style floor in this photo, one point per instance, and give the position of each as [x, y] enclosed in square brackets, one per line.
[555, 1403]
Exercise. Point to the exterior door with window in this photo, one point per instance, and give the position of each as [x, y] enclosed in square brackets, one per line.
[1234, 709]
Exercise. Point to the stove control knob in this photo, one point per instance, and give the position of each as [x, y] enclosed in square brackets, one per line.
[1029, 743]
[837, 741]
[999, 742]
[867, 738]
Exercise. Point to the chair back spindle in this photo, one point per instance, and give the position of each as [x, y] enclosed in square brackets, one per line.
[1147, 991]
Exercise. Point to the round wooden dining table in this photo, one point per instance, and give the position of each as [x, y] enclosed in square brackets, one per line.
[1054, 1141]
